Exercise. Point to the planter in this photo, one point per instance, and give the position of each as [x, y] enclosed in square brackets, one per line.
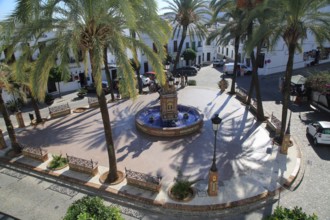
[81, 95]
[223, 85]
[191, 195]
[57, 168]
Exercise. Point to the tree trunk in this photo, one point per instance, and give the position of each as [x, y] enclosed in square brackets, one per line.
[107, 73]
[113, 176]
[255, 61]
[36, 110]
[177, 58]
[10, 128]
[59, 89]
[249, 33]
[286, 89]
[232, 90]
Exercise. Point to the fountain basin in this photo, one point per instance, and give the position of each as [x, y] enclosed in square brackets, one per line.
[149, 121]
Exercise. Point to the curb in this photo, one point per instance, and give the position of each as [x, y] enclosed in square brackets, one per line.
[146, 201]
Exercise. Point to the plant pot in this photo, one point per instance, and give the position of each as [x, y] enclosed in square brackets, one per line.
[188, 198]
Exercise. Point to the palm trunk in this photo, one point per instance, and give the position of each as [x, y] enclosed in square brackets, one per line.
[249, 32]
[286, 95]
[59, 89]
[113, 176]
[232, 90]
[177, 58]
[10, 128]
[260, 110]
[107, 73]
[36, 110]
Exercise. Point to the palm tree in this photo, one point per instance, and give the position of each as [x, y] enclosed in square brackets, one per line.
[5, 83]
[292, 21]
[233, 29]
[91, 26]
[188, 18]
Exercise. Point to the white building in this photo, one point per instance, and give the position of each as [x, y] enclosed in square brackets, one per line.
[275, 61]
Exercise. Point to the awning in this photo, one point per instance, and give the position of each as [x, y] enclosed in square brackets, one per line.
[298, 80]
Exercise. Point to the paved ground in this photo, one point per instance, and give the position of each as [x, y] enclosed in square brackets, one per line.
[213, 104]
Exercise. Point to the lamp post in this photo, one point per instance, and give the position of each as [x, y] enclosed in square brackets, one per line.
[213, 173]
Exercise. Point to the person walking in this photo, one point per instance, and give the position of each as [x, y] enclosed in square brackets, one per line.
[185, 79]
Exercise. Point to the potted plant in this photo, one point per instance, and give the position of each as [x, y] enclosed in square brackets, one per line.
[49, 99]
[58, 162]
[182, 190]
[82, 92]
[223, 84]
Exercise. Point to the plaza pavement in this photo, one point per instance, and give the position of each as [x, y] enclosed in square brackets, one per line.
[249, 164]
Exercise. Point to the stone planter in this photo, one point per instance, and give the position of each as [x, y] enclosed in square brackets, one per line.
[191, 195]
[223, 85]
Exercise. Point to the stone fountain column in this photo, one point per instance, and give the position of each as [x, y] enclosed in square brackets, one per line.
[168, 103]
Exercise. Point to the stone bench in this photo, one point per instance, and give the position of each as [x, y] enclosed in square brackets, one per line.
[241, 94]
[93, 102]
[60, 110]
[82, 165]
[274, 124]
[35, 153]
[143, 180]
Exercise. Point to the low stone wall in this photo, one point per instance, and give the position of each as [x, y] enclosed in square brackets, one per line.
[35, 153]
[241, 94]
[274, 124]
[82, 165]
[93, 102]
[143, 180]
[60, 110]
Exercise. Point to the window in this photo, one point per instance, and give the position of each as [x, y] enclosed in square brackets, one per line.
[199, 43]
[226, 51]
[187, 44]
[175, 46]
[193, 45]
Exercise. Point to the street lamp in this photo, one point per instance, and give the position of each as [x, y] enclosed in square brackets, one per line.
[213, 173]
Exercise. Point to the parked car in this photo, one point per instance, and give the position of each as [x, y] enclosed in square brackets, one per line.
[218, 63]
[228, 68]
[187, 70]
[319, 131]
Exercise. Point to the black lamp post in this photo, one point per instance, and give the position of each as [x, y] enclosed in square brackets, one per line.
[215, 126]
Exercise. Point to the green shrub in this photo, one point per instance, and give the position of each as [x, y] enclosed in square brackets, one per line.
[319, 81]
[14, 106]
[57, 162]
[296, 213]
[182, 187]
[92, 208]
[191, 82]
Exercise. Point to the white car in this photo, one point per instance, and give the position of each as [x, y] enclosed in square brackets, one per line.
[217, 63]
[319, 131]
[228, 68]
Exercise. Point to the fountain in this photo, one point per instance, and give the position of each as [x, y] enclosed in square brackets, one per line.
[169, 119]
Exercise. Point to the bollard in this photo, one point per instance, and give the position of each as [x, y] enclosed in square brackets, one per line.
[2, 141]
[20, 120]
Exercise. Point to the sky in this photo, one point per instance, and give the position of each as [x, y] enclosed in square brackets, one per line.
[6, 7]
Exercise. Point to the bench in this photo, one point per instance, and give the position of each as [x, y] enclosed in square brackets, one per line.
[241, 94]
[35, 153]
[93, 102]
[82, 165]
[143, 180]
[274, 124]
[60, 110]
